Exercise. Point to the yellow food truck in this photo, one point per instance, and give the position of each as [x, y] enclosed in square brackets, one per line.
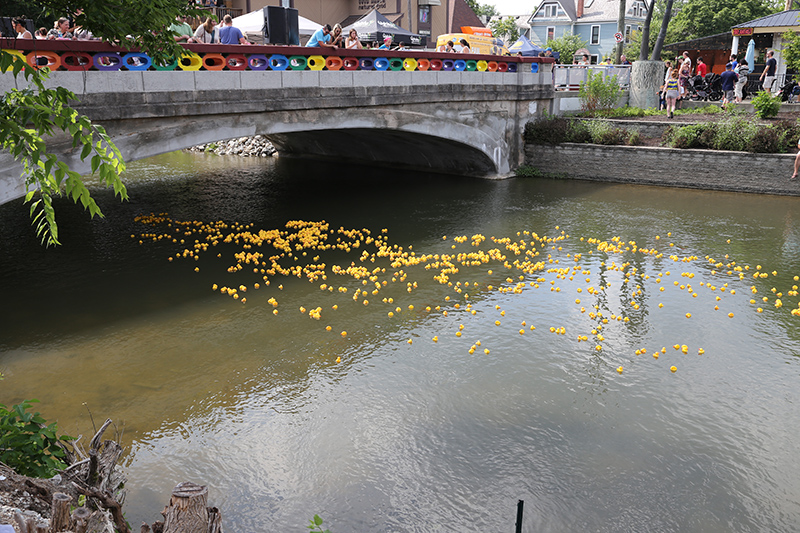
[478, 44]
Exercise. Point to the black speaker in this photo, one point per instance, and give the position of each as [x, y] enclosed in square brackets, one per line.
[6, 27]
[275, 25]
[292, 26]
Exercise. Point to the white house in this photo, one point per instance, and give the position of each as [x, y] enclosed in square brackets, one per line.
[594, 20]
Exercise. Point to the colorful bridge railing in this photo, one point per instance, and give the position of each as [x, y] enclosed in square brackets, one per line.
[93, 55]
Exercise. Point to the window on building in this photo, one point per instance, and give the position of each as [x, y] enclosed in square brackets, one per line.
[639, 9]
[627, 34]
[286, 3]
[424, 14]
[551, 33]
[594, 59]
[550, 10]
[595, 39]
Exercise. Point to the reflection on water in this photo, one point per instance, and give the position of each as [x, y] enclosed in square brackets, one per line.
[425, 436]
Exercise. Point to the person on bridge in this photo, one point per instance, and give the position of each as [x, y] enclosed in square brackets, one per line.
[230, 34]
[446, 47]
[337, 39]
[60, 30]
[22, 31]
[181, 30]
[352, 40]
[205, 32]
[321, 38]
[387, 43]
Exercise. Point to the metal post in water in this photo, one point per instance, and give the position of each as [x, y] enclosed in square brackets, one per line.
[520, 504]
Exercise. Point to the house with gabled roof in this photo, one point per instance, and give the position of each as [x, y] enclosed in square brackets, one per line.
[595, 21]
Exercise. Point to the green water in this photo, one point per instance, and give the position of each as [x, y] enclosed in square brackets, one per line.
[423, 436]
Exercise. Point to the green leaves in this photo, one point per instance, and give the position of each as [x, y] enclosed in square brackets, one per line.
[790, 48]
[28, 444]
[506, 28]
[566, 46]
[698, 18]
[597, 93]
[27, 118]
[766, 105]
[316, 524]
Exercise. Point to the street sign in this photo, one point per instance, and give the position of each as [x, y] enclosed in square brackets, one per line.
[618, 37]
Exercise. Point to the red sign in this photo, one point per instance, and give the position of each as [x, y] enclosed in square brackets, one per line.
[737, 32]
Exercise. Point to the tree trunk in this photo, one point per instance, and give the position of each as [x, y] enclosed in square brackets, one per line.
[662, 34]
[60, 519]
[620, 29]
[646, 78]
[187, 512]
[644, 50]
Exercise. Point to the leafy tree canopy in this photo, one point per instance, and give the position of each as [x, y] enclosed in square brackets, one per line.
[126, 22]
[506, 29]
[487, 10]
[700, 18]
[566, 46]
[791, 50]
[30, 116]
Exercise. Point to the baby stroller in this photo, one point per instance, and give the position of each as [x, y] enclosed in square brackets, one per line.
[698, 89]
[794, 95]
[788, 91]
[714, 86]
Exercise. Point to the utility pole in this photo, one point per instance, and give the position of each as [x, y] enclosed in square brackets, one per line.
[620, 29]
[410, 19]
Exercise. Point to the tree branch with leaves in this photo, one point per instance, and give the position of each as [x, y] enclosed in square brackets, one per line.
[30, 117]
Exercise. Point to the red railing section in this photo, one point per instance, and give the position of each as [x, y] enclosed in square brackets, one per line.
[95, 55]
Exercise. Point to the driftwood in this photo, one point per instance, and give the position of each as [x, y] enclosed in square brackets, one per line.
[52, 497]
[59, 517]
[93, 474]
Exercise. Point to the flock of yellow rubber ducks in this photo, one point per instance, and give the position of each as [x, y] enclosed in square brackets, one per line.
[525, 262]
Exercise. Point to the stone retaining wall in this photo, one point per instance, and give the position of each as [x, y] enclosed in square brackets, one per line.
[645, 128]
[695, 169]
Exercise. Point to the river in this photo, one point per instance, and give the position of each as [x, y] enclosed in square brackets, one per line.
[509, 354]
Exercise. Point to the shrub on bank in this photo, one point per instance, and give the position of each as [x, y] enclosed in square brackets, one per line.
[766, 105]
[735, 133]
[556, 130]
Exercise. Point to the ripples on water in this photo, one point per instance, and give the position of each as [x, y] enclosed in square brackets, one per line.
[422, 437]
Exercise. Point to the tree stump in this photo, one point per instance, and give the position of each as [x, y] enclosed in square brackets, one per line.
[80, 517]
[60, 519]
[187, 512]
[214, 520]
[646, 78]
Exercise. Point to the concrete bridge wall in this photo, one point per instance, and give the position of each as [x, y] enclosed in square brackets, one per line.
[468, 123]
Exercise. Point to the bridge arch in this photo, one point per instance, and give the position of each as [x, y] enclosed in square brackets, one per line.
[383, 137]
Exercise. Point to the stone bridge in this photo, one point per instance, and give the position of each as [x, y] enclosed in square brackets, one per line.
[453, 121]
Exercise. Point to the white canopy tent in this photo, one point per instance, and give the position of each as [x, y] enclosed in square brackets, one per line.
[253, 22]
